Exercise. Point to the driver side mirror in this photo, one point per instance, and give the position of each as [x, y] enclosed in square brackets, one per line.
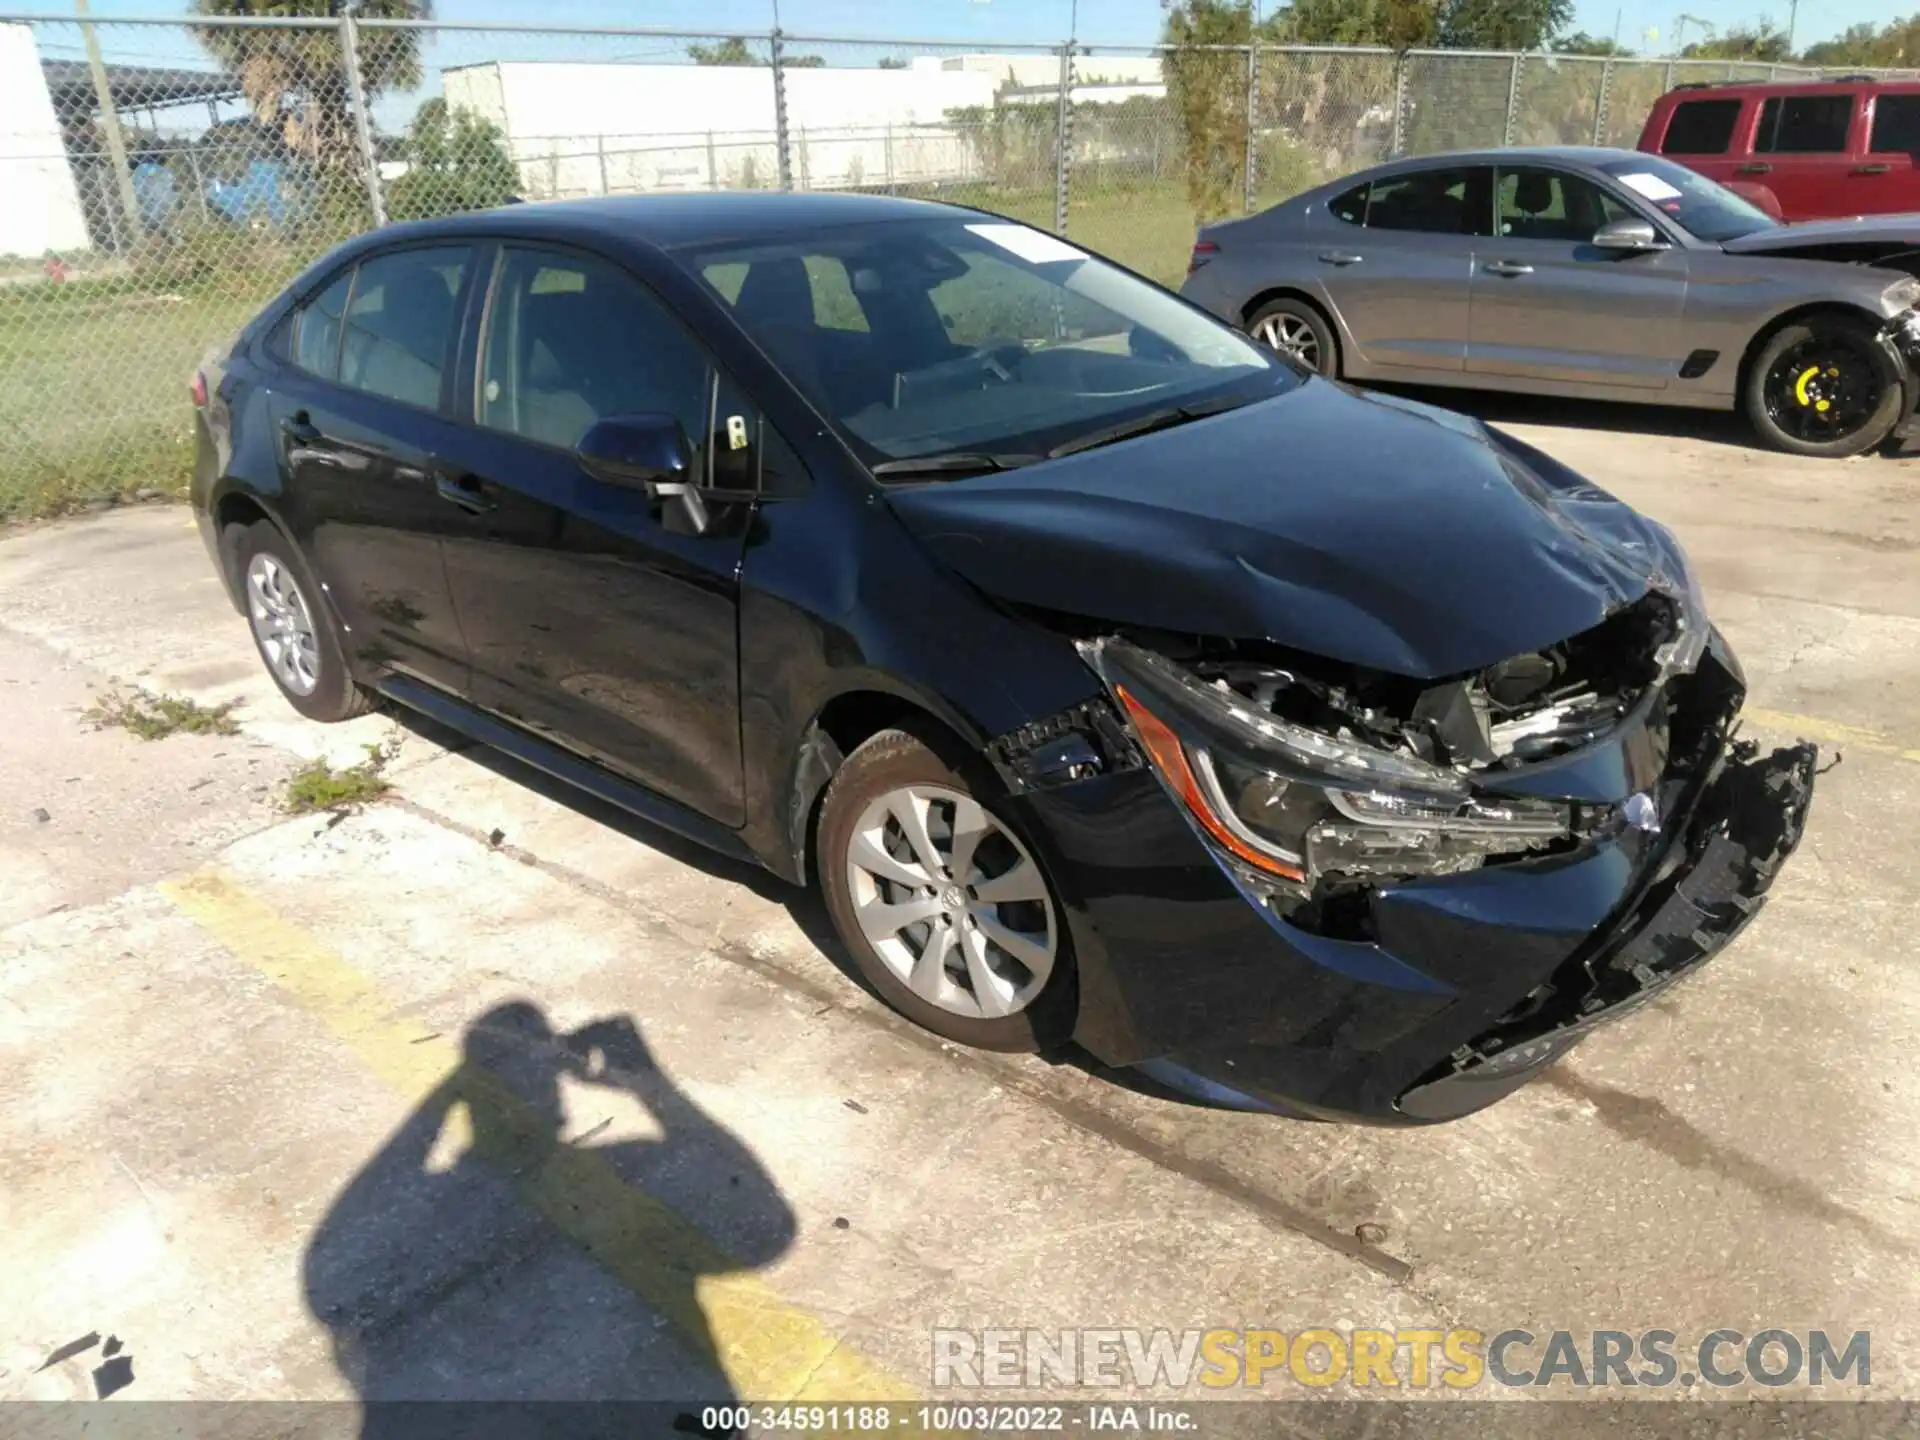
[645, 452]
[1629, 233]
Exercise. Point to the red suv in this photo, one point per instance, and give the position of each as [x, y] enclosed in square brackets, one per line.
[1803, 151]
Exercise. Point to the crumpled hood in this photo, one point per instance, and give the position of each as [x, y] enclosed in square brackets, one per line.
[1864, 230]
[1360, 527]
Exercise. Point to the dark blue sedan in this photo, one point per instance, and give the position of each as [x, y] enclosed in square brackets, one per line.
[1116, 680]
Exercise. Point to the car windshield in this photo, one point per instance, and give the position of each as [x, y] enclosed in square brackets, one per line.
[1704, 209]
[947, 345]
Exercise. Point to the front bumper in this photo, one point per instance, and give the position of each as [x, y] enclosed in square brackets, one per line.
[1902, 337]
[1469, 985]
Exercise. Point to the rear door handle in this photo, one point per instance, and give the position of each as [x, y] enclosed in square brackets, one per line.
[1754, 167]
[1506, 267]
[299, 429]
[1340, 257]
[1878, 167]
[466, 492]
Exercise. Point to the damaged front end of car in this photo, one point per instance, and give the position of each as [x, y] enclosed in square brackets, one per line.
[1503, 859]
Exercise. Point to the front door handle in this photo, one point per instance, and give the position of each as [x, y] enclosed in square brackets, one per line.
[1340, 257]
[1506, 267]
[1754, 167]
[466, 492]
[1877, 167]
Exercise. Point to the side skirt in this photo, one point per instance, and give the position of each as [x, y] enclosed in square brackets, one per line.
[551, 760]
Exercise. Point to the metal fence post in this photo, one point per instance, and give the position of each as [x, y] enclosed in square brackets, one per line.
[1669, 81]
[1252, 164]
[1399, 105]
[713, 170]
[1600, 102]
[600, 153]
[110, 123]
[1513, 101]
[782, 148]
[1063, 140]
[362, 123]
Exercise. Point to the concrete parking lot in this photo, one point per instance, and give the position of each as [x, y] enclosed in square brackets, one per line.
[289, 1108]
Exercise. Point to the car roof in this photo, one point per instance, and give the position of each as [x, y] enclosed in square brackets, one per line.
[671, 221]
[1707, 89]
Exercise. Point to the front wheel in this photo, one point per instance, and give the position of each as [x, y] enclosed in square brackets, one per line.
[1824, 386]
[941, 903]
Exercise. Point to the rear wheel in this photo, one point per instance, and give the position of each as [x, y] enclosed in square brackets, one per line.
[941, 903]
[1296, 329]
[292, 628]
[1824, 386]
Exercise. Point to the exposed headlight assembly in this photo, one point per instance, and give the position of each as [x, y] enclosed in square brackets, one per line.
[1296, 803]
[1901, 295]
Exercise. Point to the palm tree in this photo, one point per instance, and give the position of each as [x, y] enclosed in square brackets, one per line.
[295, 80]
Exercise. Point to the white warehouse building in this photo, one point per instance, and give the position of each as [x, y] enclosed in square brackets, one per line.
[591, 129]
[39, 204]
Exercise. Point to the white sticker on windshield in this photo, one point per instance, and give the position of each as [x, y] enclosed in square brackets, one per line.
[1651, 186]
[1034, 245]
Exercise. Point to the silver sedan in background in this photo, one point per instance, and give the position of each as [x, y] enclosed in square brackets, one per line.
[1595, 273]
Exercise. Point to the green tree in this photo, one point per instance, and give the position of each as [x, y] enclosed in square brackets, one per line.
[1894, 46]
[295, 80]
[735, 51]
[890, 62]
[456, 161]
[1502, 24]
[1764, 44]
[1397, 24]
[1207, 92]
[1581, 43]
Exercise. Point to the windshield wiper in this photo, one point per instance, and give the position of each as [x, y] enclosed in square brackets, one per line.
[958, 462]
[1142, 425]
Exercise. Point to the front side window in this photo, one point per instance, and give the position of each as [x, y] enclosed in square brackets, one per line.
[398, 331]
[1804, 125]
[1437, 202]
[1896, 125]
[1553, 205]
[1350, 206]
[1701, 127]
[975, 335]
[316, 334]
[572, 340]
[1696, 204]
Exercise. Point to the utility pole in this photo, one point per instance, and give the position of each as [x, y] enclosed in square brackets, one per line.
[1793, 17]
[110, 124]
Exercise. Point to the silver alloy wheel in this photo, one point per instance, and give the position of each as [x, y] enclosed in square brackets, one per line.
[282, 624]
[1291, 335]
[952, 902]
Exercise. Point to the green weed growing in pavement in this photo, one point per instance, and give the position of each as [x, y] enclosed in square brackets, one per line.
[318, 787]
[154, 717]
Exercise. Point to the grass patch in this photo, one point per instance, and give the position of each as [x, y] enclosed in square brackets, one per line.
[318, 787]
[154, 717]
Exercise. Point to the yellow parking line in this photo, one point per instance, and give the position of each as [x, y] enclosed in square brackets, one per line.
[768, 1350]
[1831, 731]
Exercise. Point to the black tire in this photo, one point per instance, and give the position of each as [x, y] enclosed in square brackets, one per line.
[1278, 313]
[1825, 387]
[887, 762]
[335, 695]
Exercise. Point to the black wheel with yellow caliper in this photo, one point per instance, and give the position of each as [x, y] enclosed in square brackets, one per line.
[1824, 386]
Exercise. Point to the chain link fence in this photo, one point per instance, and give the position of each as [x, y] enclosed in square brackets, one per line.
[161, 180]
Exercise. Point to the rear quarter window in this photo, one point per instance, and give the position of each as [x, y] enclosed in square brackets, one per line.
[1804, 125]
[1896, 125]
[1701, 127]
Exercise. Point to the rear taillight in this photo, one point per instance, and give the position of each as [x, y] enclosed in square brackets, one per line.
[199, 391]
[1203, 251]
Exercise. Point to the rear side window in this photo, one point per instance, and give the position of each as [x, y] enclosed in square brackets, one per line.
[316, 335]
[1804, 125]
[399, 324]
[1350, 207]
[1896, 125]
[1436, 202]
[1701, 127]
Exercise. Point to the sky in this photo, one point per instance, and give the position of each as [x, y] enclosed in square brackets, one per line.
[983, 22]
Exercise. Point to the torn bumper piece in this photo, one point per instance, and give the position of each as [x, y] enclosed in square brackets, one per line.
[1749, 821]
[1458, 988]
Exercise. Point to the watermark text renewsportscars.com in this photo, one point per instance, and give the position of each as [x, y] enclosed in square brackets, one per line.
[1374, 1360]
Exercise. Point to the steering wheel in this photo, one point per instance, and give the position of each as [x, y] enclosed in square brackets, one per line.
[999, 358]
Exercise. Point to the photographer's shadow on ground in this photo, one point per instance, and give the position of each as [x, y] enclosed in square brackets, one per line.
[485, 1254]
